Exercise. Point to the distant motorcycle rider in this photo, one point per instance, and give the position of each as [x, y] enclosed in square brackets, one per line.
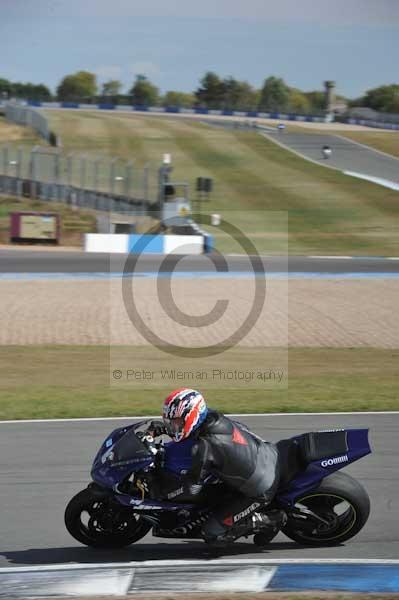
[228, 450]
[326, 151]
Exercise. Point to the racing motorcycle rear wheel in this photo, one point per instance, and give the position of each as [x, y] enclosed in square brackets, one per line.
[100, 523]
[331, 514]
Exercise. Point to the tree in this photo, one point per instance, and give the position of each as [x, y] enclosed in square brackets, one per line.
[298, 102]
[42, 92]
[275, 95]
[384, 98]
[178, 99]
[82, 84]
[28, 91]
[317, 101]
[143, 92]
[111, 88]
[211, 92]
[5, 87]
[239, 95]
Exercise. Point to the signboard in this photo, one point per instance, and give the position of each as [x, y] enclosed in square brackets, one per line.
[34, 227]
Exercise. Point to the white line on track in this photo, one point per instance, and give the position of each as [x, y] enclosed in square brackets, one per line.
[322, 164]
[388, 183]
[366, 146]
[351, 257]
[304, 156]
[144, 417]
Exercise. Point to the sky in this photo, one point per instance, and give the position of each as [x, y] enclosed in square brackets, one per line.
[354, 42]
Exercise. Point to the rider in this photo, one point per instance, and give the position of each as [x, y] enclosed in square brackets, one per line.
[326, 150]
[228, 450]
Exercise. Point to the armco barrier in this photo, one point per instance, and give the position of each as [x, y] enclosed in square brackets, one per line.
[374, 124]
[146, 244]
[251, 114]
[178, 110]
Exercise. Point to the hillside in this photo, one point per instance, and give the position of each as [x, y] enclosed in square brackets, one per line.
[328, 213]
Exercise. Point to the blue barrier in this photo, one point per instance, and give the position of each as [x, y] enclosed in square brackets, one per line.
[70, 105]
[378, 124]
[205, 111]
[149, 244]
[336, 577]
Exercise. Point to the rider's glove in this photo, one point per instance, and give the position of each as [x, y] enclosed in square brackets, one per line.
[156, 428]
[195, 489]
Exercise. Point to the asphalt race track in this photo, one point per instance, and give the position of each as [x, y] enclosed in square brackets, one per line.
[347, 155]
[71, 261]
[45, 464]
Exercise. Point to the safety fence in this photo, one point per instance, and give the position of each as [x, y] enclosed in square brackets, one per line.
[100, 183]
[25, 115]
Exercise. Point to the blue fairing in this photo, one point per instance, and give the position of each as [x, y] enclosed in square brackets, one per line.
[358, 446]
[177, 460]
[178, 456]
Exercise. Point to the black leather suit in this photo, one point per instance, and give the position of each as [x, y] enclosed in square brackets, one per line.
[246, 464]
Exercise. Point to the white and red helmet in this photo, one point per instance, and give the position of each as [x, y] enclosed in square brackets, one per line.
[183, 412]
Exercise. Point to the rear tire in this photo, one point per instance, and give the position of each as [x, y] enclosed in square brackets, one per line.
[340, 500]
[99, 522]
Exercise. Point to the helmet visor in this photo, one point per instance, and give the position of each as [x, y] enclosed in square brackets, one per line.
[174, 426]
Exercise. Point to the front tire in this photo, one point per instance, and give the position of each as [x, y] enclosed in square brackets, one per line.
[99, 522]
[342, 503]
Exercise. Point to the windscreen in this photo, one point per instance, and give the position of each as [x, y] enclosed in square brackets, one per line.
[126, 450]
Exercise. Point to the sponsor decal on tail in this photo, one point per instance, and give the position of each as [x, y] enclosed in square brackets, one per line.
[329, 462]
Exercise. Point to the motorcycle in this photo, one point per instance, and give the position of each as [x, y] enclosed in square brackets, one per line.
[137, 486]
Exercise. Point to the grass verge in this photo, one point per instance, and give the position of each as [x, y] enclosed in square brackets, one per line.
[12, 133]
[73, 223]
[73, 381]
[387, 142]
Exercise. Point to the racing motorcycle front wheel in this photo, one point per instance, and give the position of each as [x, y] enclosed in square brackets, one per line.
[99, 522]
[331, 514]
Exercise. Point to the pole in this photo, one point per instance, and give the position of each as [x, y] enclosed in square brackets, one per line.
[6, 159]
[96, 173]
[83, 172]
[146, 184]
[128, 177]
[112, 176]
[20, 158]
